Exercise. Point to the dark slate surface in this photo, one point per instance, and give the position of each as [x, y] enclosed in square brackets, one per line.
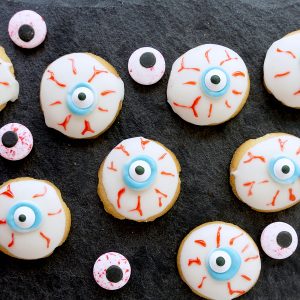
[113, 30]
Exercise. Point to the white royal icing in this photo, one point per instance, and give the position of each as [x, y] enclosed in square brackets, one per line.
[9, 86]
[185, 92]
[281, 70]
[254, 184]
[69, 71]
[192, 260]
[33, 244]
[155, 199]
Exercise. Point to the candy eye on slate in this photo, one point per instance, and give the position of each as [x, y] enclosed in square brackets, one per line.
[112, 271]
[215, 82]
[16, 141]
[146, 65]
[279, 240]
[27, 29]
[24, 217]
[140, 172]
[283, 170]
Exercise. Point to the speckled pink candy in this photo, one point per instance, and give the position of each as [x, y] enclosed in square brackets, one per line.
[104, 262]
[23, 146]
[31, 18]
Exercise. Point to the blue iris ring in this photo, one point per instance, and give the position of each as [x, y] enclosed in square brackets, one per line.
[231, 272]
[135, 185]
[209, 92]
[11, 220]
[73, 107]
[290, 180]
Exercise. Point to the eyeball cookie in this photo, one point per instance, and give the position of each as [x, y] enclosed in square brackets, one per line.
[139, 180]
[146, 65]
[208, 85]
[279, 240]
[281, 70]
[34, 220]
[81, 95]
[219, 260]
[16, 141]
[9, 86]
[27, 29]
[112, 271]
[264, 172]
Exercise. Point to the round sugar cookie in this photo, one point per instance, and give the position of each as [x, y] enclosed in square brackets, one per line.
[219, 261]
[208, 85]
[81, 95]
[9, 86]
[281, 70]
[264, 172]
[139, 180]
[34, 220]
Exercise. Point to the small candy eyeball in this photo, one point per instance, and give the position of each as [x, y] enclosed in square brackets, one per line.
[279, 240]
[27, 29]
[16, 141]
[112, 271]
[283, 170]
[146, 65]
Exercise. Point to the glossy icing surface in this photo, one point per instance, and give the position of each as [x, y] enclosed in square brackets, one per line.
[236, 275]
[208, 85]
[80, 96]
[281, 70]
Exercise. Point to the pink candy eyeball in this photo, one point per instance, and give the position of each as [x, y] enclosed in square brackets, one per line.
[27, 29]
[146, 65]
[16, 141]
[279, 240]
[112, 271]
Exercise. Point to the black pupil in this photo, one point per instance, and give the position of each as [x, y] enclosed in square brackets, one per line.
[26, 33]
[81, 96]
[9, 139]
[147, 60]
[139, 170]
[284, 239]
[114, 274]
[22, 218]
[220, 261]
[285, 169]
[215, 79]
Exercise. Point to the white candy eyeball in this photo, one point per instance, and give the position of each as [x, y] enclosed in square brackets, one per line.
[140, 171]
[220, 261]
[83, 97]
[146, 65]
[215, 80]
[24, 217]
[284, 169]
[279, 240]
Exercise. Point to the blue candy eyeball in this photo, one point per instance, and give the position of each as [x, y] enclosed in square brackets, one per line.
[215, 82]
[81, 99]
[24, 217]
[223, 263]
[140, 172]
[283, 170]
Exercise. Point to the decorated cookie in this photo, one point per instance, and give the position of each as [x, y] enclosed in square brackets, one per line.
[34, 220]
[264, 172]
[9, 86]
[279, 240]
[16, 141]
[219, 261]
[281, 70]
[81, 95]
[208, 85]
[27, 29]
[112, 271]
[139, 180]
[146, 65]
